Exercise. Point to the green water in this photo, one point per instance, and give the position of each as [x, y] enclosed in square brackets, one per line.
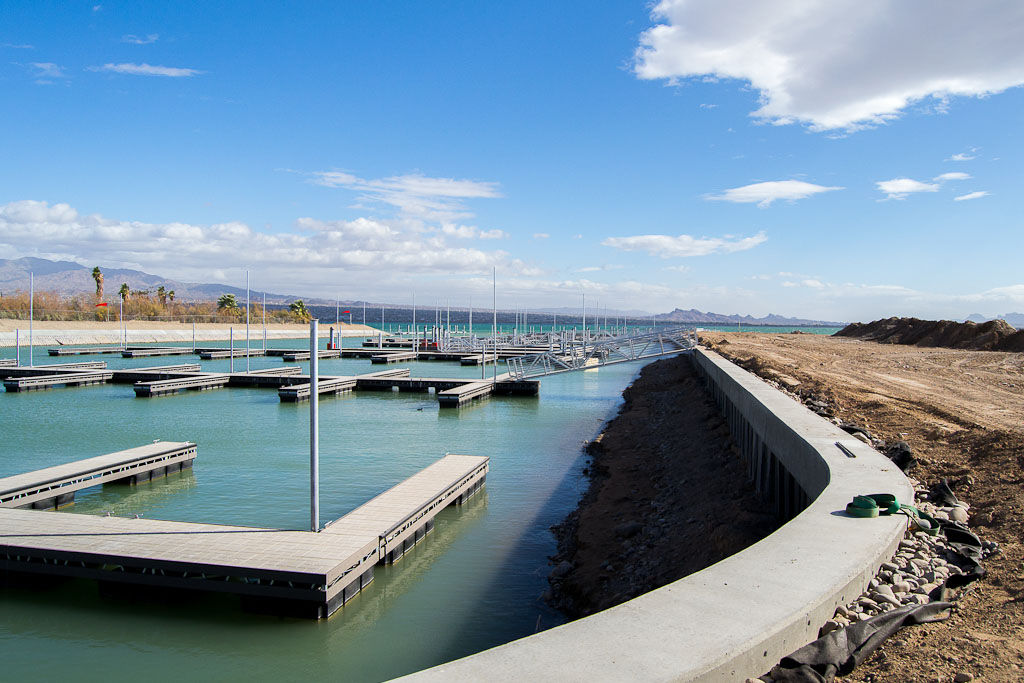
[474, 583]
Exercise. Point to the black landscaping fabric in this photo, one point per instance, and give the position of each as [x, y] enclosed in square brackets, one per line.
[842, 650]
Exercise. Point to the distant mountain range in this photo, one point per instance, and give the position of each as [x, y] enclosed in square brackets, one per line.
[695, 316]
[68, 277]
[1014, 319]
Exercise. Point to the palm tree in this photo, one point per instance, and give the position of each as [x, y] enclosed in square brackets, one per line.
[97, 275]
[124, 291]
[227, 301]
[161, 293]
[170, 295]
[298, 307]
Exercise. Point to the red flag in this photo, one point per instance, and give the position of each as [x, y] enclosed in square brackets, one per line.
[103, 304]
[346, 311]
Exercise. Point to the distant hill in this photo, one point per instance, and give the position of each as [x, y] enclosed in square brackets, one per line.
[695, 316]
[1012, 319]
[68, 277]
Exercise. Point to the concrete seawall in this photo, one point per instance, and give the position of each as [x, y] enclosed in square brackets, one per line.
[737, 618]
[48, 336]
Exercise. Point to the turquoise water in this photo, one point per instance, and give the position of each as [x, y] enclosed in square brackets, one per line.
[474, 583]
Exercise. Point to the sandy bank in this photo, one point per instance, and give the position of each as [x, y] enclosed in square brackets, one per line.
[58, 333]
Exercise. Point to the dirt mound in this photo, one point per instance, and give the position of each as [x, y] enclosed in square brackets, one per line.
[994, 335]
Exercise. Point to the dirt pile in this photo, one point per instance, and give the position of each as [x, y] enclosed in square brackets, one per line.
[994, 335]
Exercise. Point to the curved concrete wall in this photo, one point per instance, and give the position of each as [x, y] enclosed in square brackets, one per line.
[738, 617]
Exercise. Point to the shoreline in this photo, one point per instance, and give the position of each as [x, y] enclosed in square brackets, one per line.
[628, 535]
[79, 332]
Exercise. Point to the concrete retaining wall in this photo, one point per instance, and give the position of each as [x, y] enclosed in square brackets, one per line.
[737, 618]
[53, 338]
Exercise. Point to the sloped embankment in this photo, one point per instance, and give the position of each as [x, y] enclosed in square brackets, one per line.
[994, 335]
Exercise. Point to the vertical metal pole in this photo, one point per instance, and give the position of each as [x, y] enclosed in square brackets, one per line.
[364, 313]
[314, 428]
[31, 312]
[382, 321]
[470, 317]
[264, 322]
[231, 347]
[584, 320]
[494, 322]
[415, 332]
[193, 337]
[120, 315]
[17, 347]
[247, 321]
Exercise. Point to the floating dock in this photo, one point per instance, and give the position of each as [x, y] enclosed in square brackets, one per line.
[66, 379]
[213, 354]
[158, 351]
[292, 393]
[199, 381]
[297, 573]
[8, 362]
[54, 487]
[85, 350]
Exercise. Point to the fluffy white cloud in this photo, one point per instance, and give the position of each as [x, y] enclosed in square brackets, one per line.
[971, 195]
[140, 40]
[899, 188]
[146, 70]
[838, 64]
[955, 175]
[667, 246]
[317, 252]
[763, 194]
[414, 195]
[540, 235]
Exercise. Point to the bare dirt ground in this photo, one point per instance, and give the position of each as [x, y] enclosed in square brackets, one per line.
[962, 412]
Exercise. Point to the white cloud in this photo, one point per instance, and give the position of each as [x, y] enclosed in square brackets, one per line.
[964, 156]
[140, 40]
[899, 188]
[955, 175]
[146, 70]
[48, 70]
[317, 252]
[18, 46]
[971, 195]
[540, 235]
[599, 269]
[667, 246]
[838, 64]
[677, 269]
[414, 195]
[472, 232]
[813, 284]
[763, 194]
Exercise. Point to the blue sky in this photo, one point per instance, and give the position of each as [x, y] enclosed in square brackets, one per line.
[836, 160]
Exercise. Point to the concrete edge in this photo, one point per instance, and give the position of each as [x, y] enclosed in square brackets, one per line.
[737, 618]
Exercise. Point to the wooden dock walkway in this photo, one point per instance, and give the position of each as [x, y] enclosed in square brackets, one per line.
[32, 383]
[158, 351]
[294, 356]
[393, 357]
[52, 369]
[299, 573]
[213, 354]
[85, 350]
[198, 381]
[54, 487]
[8, 362]
[331, 385]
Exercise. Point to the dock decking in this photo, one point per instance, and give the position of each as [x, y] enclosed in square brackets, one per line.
[55, 486]
[200, 381]
[300, 573]
[211, 354]
[67, 379]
